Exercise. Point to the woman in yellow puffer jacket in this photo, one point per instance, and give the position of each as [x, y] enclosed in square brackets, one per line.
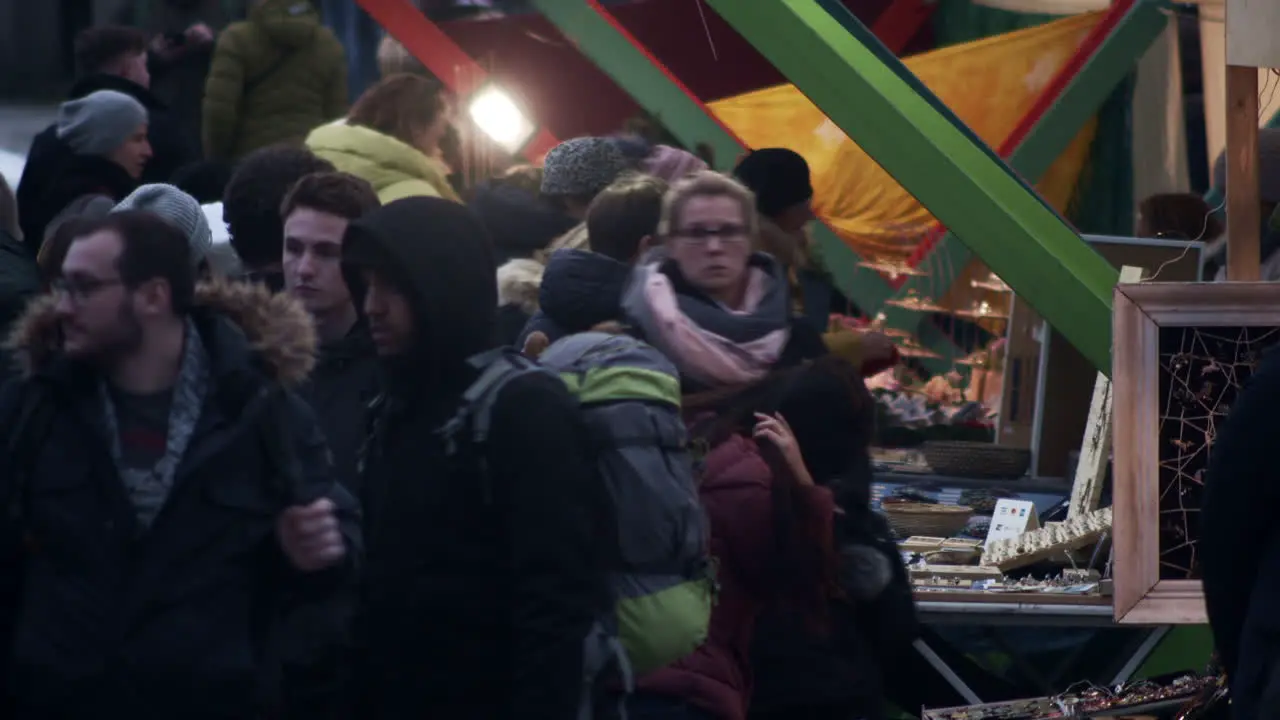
[392, 138]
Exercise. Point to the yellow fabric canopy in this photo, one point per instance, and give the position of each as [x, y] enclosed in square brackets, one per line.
[990, 84]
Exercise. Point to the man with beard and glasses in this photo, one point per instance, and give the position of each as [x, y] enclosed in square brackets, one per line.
[486, 566]
[169, 499]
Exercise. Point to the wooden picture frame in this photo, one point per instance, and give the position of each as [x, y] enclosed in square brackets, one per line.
[1144, 594]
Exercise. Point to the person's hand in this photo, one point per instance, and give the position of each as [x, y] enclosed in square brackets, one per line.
[877, 348]
[199, 34]
[535, 344]
[310, 537]
[775, 430]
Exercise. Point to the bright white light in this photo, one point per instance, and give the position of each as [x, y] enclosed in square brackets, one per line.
[494, 112]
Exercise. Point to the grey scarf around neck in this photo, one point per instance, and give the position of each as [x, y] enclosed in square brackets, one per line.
[773, 312]
[149, 489]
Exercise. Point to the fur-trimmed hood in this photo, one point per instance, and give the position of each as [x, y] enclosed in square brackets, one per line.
[518, 284]
[278, 329]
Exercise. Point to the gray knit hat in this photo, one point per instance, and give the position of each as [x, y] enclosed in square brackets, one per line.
[582, 166]
[1268, 166]
[100, 122]
[178, 209]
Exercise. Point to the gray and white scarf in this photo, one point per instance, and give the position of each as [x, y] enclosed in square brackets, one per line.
[149, 489]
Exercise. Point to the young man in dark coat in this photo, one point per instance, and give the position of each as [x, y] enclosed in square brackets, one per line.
[169, 497]
[316, 213]
[107, 58]
[485, 571]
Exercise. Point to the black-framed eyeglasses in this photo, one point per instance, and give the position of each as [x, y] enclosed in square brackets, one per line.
[699, 235]
[81, 289]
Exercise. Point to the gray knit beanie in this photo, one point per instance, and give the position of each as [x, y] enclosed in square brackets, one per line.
[100, 122]
[1268, 166]
[582, 166]
[178, 209]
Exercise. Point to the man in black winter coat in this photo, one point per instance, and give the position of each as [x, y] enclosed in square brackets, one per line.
[168, 499]
[108, 58]
[484, 572]
[1240, 546]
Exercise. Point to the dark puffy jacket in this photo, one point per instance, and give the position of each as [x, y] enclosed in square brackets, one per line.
[274, 78]
[83, 185]
[580, 289]
[1240, 546]
[171, 149]
[177, 620]
[482, 582]
[520, 222]
[872, 627]
[736, 491]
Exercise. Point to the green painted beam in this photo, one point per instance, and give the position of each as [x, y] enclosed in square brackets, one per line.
[974, 194]
[1114, 59]
[618, 54]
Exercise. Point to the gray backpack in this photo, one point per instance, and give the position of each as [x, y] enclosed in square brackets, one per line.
[629, 394]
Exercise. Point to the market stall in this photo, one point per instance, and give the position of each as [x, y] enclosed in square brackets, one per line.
[1006, 562]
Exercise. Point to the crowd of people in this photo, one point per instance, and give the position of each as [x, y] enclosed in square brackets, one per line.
[572, 443]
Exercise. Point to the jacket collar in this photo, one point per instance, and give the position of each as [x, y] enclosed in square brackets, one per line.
[246, 331]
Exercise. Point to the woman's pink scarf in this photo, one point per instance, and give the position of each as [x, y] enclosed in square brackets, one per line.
[704, 356]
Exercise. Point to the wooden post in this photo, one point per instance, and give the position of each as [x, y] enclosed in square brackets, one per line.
[1095, 448]
[1244, 206]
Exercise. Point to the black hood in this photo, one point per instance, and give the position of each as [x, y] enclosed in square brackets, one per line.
[581, 289]
[519, 221]
[93, 83]
[439, 253]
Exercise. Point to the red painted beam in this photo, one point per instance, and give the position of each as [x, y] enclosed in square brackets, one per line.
[897, 24]
[1046, 100]
[443, 57]
[624, 32]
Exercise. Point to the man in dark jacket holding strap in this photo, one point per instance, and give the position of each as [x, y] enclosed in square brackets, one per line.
[485, 571]
[170, 499]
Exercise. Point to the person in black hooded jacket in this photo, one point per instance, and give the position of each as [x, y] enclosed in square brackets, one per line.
[1240, 546]
[837, 672]
[581, 289]
[484, 570]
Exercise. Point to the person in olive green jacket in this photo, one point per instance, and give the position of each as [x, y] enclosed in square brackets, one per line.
[274, 77]
[392, 139]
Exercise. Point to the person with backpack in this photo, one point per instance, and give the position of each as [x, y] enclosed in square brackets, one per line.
[168, 499]
[486, 570]
[274, 77]
[722, 315]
